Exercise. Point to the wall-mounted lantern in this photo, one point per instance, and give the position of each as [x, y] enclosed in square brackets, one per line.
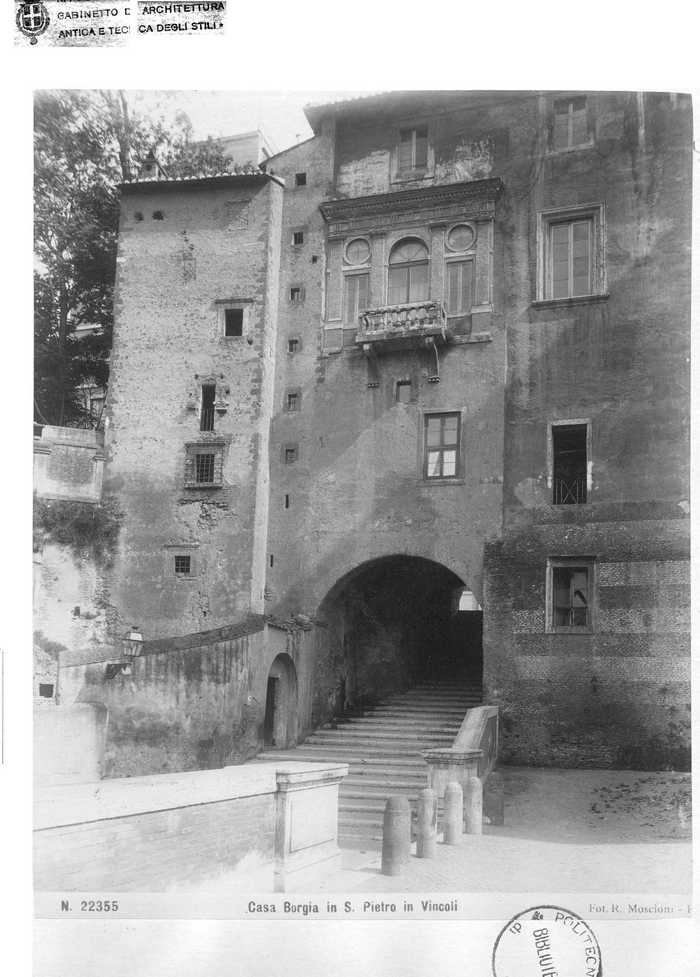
[132, 644]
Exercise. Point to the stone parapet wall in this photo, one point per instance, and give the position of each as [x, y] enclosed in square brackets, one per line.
[68, 464]
[151, 834]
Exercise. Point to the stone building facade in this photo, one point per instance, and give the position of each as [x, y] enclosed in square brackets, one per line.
[420, 386]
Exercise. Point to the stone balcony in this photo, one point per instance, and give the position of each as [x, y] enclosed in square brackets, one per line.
[409, 326]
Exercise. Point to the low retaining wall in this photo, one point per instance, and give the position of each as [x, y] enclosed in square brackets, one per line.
[151, 834]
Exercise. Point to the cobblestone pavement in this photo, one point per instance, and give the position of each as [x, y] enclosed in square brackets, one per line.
[564, 831]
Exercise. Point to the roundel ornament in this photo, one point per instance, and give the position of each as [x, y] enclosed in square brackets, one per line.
[32, 20]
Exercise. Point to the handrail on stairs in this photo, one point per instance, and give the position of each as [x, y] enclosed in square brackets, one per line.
[479, 731]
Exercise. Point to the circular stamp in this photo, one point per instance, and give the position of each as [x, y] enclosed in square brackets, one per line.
[547, 941]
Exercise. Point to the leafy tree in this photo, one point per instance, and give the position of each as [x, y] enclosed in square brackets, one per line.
[86, 143]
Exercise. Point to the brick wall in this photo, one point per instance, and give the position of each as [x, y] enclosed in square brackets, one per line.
[150, 852]
[618, 697]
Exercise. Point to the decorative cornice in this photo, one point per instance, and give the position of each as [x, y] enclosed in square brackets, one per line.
[355, 210]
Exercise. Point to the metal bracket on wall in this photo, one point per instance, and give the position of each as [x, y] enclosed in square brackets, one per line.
[435, 378]
[372, 364]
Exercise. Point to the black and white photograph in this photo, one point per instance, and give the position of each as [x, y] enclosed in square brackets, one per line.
[361, 523]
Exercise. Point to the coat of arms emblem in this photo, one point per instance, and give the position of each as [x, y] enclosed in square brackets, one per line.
[32, 20]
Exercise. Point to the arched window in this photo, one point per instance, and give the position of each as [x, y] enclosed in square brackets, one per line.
[408, 273]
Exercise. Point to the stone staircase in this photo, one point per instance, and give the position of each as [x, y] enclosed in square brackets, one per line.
[382, 746]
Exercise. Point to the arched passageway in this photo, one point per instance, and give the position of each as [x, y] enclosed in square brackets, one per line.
[391, 624]
[280, 729]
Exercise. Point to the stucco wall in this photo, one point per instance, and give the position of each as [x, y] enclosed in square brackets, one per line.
[193, 703]
[175, 275]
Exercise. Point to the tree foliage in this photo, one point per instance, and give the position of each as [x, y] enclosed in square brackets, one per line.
[86, 143]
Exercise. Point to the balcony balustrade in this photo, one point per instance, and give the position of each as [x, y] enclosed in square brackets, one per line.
[402, 326]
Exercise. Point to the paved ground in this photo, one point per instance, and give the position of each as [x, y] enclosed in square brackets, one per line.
[565, 831]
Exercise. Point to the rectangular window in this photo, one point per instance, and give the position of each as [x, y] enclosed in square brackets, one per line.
[413, 148]
[442, 436]
[403, 392]
[298, 237]
[293, 401]
[296, 293]
[356, 298]
[45, 690]
[204, 464]
[570, 595]
[183, 564]
[569, 464]
[570, 123]
[233, 322]
[460, 277]
[204, 468]
[571, 254]
[290, 453]
[300, 179]
[570, 259]
[206, 419]
[292, 345]
[408, 283]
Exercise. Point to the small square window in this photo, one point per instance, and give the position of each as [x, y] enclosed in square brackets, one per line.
[46, 690]
[298, 237]
[290, 453]
[204, 465]
[296, 293]
[233, 322]
[403, 392]
[293, 401]
[183, 564]
[157, 215]
[292, 345]
[300, 179]
[441, 446]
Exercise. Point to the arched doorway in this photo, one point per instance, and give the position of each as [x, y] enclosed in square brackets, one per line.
[391, 624]
[280, 728]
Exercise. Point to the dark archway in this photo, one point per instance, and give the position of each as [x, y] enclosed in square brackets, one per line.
[391, 624]
[280, 728]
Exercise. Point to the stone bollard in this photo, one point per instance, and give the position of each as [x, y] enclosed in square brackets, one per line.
[473, 807]
[396, 838]
[426, 845]
[452, 814]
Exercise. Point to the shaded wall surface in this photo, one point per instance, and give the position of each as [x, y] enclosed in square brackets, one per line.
[197, 702]
[619, 696]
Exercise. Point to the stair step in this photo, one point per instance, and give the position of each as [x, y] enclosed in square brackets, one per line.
[351, 736]
[382, 746]
[367, 724]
